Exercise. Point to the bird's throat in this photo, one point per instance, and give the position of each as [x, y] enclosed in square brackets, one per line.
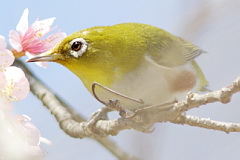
[90, 74]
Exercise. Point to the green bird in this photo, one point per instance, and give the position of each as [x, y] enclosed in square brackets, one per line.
[134, 61]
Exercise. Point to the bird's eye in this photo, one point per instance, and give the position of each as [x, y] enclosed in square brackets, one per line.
[76, 46]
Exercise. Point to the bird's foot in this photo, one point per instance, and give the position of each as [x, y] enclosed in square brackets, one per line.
[101, 114]
[116, 106]
[130, 116]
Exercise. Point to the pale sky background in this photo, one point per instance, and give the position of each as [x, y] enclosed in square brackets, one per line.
[213, 25]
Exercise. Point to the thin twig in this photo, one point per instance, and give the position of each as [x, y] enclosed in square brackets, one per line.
[208, 123]
[223, 95]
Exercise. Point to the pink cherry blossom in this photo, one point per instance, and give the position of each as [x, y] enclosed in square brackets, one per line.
[32, 40]
[14, 86]
[20, 138]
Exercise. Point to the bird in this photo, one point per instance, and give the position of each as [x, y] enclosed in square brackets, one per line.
[134, 63]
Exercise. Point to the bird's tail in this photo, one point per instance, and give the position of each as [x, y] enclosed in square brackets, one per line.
[203, 82]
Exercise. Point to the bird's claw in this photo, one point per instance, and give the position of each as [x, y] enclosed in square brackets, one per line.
[101, 114]
[116, 106]
[130, 115]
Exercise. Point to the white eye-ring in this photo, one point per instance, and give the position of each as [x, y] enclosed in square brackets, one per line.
[78, 47]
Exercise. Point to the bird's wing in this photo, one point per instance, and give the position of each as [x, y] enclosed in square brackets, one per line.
[178, 53]
[175, 52]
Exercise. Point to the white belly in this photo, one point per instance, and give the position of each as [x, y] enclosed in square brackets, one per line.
[154, 84]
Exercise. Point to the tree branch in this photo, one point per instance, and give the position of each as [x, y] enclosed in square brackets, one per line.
[223, 95]
[208, 123]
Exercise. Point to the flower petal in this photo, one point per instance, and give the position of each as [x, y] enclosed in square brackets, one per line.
[3, 81]
[21, 89]
[6, 56]
[3, 44]
[55, 38]
[6, 59]
[32, 133]
[13, 73]
[22, 26]
[45, 140]
[15, 40]
[42, 27]
[5, 105]
[16, 77]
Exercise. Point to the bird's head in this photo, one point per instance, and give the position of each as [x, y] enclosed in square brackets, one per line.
[70, 50]
[87, 53]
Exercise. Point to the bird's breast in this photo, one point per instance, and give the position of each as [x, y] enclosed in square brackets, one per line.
[154, 84]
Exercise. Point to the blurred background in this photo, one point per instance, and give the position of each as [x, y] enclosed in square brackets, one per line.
[212, 25]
